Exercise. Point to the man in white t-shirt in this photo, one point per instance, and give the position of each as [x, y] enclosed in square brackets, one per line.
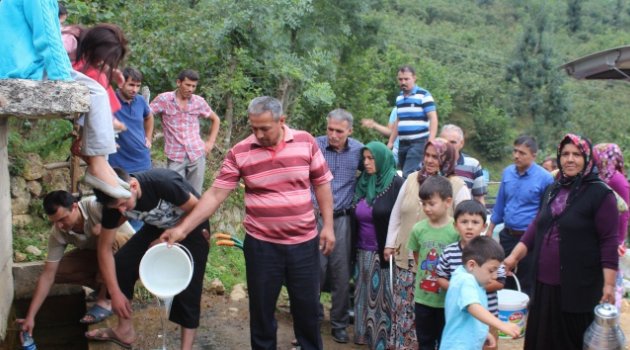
[76, 223]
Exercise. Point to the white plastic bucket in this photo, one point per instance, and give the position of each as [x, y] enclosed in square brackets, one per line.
[513, 307]
[164, 271]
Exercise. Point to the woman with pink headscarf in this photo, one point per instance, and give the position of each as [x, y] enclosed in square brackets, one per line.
[609, 161]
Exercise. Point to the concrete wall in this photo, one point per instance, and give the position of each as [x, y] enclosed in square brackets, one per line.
[6, 237]
[28, 99]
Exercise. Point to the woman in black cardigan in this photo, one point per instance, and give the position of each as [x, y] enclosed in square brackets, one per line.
[375, 195]
[574, 244]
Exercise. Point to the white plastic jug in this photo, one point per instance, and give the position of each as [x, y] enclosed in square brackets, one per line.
[513, 307]
[166, 271]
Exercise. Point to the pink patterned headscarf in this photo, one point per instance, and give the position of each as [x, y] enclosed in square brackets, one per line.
[608, 158]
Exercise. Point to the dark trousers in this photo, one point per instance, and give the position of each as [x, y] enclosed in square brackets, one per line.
[337, 266]
[410, 155]
[524, 268]
[548, 327]
[429, 325]
[186, 306]
[268, 265]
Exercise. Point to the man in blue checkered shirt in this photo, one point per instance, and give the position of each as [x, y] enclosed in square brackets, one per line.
[343, 156]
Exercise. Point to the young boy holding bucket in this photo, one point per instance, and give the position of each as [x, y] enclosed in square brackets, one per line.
[470, 221]
[467, 317]
[428, 238]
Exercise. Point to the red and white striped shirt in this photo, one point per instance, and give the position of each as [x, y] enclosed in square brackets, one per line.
[278, 207]
[181, 126]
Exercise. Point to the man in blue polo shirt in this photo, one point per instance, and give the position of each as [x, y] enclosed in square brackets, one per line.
[134, 144]
[343, 156]
[523, 185]
[416, 121]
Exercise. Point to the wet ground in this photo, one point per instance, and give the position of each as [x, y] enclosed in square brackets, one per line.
[225, 325]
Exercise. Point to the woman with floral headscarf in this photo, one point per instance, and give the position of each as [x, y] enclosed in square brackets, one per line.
[439, 159]
[375, 194]
[574, 244]
[609, 161]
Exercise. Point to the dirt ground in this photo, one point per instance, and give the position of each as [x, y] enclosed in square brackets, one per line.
[225, 325]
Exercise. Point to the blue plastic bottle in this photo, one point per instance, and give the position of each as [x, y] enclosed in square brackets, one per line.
[28, 342]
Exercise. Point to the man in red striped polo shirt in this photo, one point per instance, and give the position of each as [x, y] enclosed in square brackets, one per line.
[278, 166]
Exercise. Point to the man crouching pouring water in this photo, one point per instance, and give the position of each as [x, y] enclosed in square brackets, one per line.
[159, 198]
[278, 166]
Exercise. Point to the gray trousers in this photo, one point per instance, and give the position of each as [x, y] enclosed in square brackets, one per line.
[337, 264]
[192, 171]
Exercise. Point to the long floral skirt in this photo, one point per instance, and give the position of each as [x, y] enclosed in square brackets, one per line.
[372, 302]
[403, 335]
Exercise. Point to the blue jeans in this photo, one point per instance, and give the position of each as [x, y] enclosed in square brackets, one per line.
[411, 155]
[268, 265]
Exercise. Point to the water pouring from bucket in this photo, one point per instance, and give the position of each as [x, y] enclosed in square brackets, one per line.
[165, 272]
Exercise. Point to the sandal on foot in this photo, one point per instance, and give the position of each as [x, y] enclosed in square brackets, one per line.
[113, 191]
[97, 314]
[107, 335]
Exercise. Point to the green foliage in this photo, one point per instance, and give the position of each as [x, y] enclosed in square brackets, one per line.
[48, 138]
[490, 137]
[35, 234]
[534, 81]
[574, 13]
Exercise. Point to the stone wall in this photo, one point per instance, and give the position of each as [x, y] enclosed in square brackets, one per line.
[34, 182]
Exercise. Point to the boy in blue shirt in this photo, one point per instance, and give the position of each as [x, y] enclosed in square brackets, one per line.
[428, 239]
[467, 317]
[470, 221]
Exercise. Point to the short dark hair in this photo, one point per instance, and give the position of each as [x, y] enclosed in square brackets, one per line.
[528, 141]
[406, 68]
[188, 73]
[103, 197]
[436, 184]
[132, 73]
[471, 207]
[62, 10]
[482, 249]
[56, 199]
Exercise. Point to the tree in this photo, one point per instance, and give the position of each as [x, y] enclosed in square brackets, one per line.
[536, 96]
[574, 15]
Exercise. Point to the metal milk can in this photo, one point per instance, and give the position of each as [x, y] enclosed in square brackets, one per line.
[604, 333]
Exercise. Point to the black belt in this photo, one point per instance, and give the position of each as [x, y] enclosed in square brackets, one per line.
[514, 232]
[411, 142]
[342, 212]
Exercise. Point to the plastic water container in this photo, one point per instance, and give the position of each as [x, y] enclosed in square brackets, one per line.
[164, 271]
[513, 307]
[28, 343]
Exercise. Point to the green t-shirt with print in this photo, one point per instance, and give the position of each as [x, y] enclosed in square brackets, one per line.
[429, 242]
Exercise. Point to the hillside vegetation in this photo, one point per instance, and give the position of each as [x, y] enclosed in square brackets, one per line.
[491, 65]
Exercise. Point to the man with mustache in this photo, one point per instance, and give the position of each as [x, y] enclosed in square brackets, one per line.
[180, 111]
[343, 156]
[416, 123]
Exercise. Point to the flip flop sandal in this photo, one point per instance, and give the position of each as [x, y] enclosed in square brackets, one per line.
[108, 335]
[98, 314]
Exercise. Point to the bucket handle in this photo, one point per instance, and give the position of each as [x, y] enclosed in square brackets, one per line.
[192, 262]
[518, 284]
